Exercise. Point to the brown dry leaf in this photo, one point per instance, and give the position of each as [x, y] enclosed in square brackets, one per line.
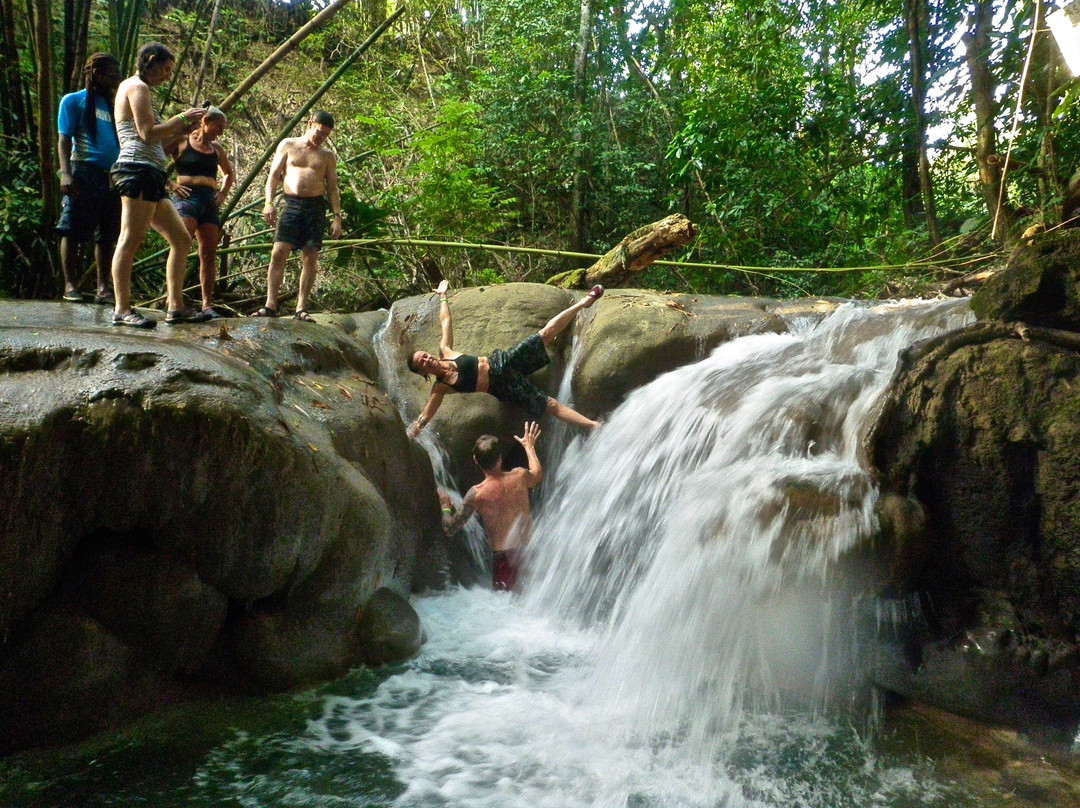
[316, 403]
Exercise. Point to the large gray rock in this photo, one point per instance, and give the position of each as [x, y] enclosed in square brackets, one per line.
[627, 339]
[241, 485]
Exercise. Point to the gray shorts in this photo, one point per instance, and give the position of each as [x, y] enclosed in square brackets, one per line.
[507, 371]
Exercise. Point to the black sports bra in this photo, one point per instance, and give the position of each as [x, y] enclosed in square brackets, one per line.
[467, 371]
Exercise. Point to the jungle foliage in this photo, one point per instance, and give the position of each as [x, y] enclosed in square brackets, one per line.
[797, 134]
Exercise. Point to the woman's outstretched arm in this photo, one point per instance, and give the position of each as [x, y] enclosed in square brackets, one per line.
[432, 406]
[446, 340]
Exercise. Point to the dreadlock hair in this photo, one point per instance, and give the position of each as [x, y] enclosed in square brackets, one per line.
[93, 71]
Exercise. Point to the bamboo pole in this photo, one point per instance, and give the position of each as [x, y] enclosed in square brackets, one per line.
[284, 50]
[305, 109]
[206, 53]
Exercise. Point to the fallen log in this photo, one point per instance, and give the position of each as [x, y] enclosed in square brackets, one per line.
[633, 254]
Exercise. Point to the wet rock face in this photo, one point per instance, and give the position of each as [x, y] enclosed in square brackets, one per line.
[1040, 285]
[981, 436]
[214, 501]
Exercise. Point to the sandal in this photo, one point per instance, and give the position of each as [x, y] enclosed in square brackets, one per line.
[74, 296]
[133, 319]
[185, 315]
[595, 293]
[265, 311]
[303, 316]
[106, 299]
[211, 314]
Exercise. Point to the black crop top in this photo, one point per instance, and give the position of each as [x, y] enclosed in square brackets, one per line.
[194, 163]
[467, 371]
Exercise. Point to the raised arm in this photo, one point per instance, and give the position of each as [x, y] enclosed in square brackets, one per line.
[150, 131]
[535, 473]
[446, 323]
[432, 406]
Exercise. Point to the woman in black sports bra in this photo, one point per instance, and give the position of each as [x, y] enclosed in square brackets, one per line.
[504, 374]
[197, 196]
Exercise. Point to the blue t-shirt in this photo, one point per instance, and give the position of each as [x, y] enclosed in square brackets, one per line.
[71, 122]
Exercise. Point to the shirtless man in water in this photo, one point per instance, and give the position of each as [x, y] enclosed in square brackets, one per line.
[502, 501]
[307, 173]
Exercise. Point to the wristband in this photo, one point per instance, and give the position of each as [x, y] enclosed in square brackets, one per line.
[447, 510]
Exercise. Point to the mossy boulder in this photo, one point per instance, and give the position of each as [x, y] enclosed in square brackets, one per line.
[981, 435]
[1040, 284]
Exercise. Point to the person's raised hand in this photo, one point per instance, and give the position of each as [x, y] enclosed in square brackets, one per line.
[442, 287]
[532, 432]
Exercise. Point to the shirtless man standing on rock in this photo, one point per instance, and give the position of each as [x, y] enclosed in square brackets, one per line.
[502, 501]
[307, 174]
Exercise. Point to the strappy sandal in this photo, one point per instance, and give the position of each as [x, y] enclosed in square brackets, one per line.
[265, 311]
[303, 316]
[187, 315]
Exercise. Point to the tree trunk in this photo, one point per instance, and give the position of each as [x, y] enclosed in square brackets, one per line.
[39, 282]
[76, 30]
[633, 254]
[577, 203]
[915, 19]
[206, 53]
[16, 122]
[977, 48]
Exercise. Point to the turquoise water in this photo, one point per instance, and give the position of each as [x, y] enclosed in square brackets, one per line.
[487, 715]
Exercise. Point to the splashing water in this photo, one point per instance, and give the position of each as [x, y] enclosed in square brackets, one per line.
[678, 586]
[696, 531]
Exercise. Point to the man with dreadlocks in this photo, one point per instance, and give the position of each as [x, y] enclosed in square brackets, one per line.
[88, 147]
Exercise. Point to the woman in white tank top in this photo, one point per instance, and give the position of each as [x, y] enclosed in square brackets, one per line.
[139, 176]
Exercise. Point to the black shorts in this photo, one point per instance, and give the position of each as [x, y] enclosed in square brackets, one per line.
[94, 213]
[201, 205]
[303, 222]
[140, 181]
[507, 371]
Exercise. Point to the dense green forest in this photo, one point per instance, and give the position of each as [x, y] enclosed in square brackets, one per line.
[907, 145]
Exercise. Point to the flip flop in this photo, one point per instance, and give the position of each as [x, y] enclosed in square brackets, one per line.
[265, 311]
[133, 320]
[303, 316]
[74, 296]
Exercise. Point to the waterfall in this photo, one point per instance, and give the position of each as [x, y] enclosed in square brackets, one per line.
[696, 530]
[392, 364]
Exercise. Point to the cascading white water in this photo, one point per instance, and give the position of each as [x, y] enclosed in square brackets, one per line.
[678, 575]
[696, 529]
